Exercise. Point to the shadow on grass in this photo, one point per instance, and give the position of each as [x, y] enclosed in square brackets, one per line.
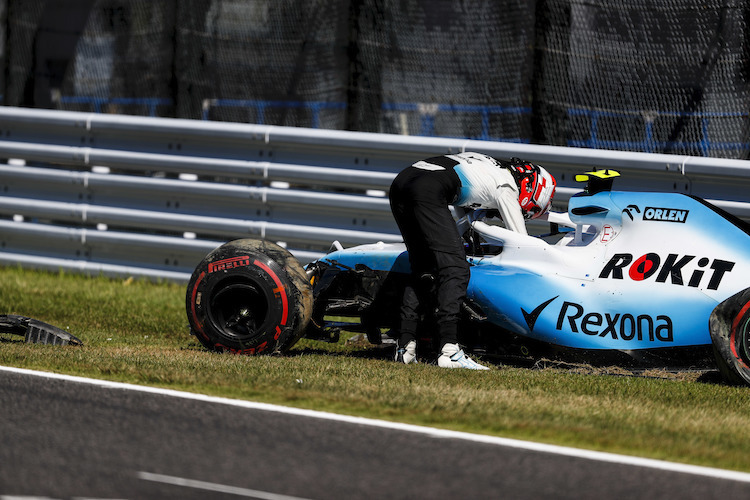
[11, 340]
[374, 352]
[711, 377]
[361, 349]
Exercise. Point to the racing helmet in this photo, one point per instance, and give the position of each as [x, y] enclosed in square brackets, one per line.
[536, 188]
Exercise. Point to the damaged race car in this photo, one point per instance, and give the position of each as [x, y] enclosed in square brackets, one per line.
[632, 279]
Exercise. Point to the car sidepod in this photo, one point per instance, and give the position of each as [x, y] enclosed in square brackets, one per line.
[642, 272]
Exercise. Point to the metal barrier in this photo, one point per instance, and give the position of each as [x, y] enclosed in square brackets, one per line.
[126, 195]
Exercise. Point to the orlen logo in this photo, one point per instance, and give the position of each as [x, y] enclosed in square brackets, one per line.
[221, 265]
[665, 214]
[651, 264]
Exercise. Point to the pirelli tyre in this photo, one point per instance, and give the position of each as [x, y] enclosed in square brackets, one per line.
[729, 325]
[249, 297]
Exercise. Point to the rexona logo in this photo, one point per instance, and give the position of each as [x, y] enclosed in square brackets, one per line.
[616, 325]
[704, 271]
[221, 265]
[665, 214]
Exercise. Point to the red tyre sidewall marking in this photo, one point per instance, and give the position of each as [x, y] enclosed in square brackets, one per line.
[733, 334]
[279, 289]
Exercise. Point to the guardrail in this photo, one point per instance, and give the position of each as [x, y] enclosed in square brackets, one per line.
[127, 195]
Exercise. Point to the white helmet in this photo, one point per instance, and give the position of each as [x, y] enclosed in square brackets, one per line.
[536, 188]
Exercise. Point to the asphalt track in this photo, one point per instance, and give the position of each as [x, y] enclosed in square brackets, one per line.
[66, 438]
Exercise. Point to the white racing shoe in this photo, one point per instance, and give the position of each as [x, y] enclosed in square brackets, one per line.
[408, 353]
[454, 357]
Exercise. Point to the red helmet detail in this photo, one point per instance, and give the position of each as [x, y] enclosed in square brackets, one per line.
[536, 188]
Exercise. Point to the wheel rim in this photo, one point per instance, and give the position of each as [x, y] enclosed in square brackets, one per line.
[743, 340]
[239, 311]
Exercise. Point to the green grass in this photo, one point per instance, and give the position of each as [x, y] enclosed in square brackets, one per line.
[137, 332]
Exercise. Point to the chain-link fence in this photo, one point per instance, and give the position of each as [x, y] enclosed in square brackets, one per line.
[644, 75]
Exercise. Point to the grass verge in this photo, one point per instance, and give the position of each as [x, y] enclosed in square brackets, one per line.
[136, 332]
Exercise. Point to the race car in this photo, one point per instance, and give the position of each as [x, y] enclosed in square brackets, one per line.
[636, 279]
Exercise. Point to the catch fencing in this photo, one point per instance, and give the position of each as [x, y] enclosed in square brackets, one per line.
[149, 197]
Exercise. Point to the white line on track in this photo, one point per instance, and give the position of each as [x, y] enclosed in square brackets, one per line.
[217, 488]
[428, 431]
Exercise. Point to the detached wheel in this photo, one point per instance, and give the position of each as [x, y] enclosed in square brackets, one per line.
[729, 325]
[249, 297]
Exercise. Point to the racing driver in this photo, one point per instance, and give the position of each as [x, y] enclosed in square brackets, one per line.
[420, 197]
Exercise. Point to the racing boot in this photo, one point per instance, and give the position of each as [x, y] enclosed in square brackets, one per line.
[453, 356]
[408, 353]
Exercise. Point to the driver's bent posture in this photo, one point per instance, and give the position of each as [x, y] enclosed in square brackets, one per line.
[420, 197]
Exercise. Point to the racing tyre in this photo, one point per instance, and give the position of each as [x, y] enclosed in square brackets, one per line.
[729, 325]
[249, 297]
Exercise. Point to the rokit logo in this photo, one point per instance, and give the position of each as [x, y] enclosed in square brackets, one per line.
[665, 214]
[704, 271]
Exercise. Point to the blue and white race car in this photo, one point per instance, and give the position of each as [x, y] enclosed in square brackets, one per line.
[635, 279]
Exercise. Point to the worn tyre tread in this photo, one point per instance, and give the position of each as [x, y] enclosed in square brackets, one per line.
[258, 283]
[729, 326]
